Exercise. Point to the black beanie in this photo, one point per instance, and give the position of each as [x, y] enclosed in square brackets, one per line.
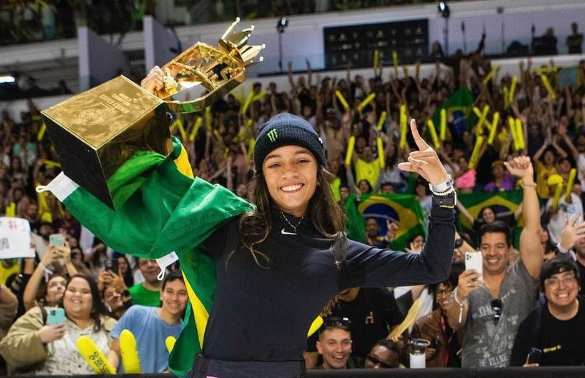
[285, 129]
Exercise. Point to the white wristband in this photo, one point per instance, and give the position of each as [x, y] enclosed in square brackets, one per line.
[442, 187]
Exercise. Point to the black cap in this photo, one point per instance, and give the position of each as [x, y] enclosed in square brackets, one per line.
[285, 129]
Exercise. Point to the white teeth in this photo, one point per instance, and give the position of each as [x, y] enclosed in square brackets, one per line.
[290, 188]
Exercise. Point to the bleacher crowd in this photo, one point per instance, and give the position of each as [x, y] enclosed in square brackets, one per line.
[360, 120]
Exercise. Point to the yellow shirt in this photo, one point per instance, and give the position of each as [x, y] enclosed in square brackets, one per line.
[368, 171]
[542, 174]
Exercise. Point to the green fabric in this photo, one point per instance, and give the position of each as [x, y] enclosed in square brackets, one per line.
[504, 203]
[142, 296]
[461, 100]
[164, 211]
[403, 209]
[130, 177]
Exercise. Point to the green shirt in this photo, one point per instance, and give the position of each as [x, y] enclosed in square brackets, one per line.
[142, 296]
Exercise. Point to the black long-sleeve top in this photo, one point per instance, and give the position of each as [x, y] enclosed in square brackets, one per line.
[263, 314]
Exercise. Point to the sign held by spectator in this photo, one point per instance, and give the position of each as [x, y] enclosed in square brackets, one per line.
[15, 238]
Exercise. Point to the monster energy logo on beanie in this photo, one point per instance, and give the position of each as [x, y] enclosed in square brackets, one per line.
[272, 135]
[287, 130]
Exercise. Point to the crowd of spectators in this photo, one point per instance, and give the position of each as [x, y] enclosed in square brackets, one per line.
[96, 285]
[23, 21]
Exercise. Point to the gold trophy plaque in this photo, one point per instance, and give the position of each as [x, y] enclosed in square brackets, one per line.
[96, 131]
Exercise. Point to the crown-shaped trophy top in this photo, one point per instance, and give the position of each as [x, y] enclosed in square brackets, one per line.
[202, 74]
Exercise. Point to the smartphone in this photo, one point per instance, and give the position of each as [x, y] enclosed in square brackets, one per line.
[534, 356]
[57, 240]
[112, 265]
[55, 316]
[474, 260]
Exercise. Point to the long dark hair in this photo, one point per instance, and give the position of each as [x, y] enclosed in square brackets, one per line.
[325, 214]
[97, 307]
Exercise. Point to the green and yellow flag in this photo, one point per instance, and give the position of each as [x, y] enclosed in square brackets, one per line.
[161, 210]
[504, 204]
[460, 107]
[402, 209]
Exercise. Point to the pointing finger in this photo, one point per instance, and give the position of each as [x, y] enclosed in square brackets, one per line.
[420, 143]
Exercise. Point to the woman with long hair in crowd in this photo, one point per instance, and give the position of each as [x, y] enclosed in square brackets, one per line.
[34, 346]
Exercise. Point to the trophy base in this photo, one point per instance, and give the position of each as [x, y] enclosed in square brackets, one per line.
[95, 132]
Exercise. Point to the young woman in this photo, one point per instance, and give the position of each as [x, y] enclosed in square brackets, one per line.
[52, 349]
[277, 264]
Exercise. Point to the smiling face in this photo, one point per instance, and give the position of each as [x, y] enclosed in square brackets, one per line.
[291, 178]
[122, 265]
[335, 346]
[78, 301]
[561, 289]
[488, 215]
[174, 297]
[444, 296]
[495, 253]
[112, 298]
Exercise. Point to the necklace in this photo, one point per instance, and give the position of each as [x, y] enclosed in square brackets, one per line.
[291, 225]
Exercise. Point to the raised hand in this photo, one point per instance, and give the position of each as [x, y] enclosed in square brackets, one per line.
[573, 232]
[154, 81]
[425, 161]
[521, 167]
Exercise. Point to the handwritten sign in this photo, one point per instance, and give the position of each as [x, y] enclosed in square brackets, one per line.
[15, 238]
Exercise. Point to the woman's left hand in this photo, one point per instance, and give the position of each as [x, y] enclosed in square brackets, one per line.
[425, 161]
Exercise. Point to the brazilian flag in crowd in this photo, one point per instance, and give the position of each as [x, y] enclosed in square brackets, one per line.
[402, 209]
[460, 106]
[503, 203]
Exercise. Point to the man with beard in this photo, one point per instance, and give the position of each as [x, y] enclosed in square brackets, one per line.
[41, 240]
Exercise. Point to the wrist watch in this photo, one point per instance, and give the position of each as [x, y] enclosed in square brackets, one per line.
[446, 199]
[442, 187]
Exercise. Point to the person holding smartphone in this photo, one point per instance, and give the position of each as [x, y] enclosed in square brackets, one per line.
[47, 344]
[507, 291]
[49, 270]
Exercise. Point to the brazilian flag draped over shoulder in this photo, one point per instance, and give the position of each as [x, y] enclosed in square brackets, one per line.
[402, 209]
[161, 209]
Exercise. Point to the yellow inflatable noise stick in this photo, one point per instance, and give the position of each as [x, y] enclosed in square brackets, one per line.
[408, 320]
[93, 356]
[129, 349]
[317, 323]
[170, 343]
[570, 182]
[558, 181]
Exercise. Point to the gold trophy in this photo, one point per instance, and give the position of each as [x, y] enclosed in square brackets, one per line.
[96, 131]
